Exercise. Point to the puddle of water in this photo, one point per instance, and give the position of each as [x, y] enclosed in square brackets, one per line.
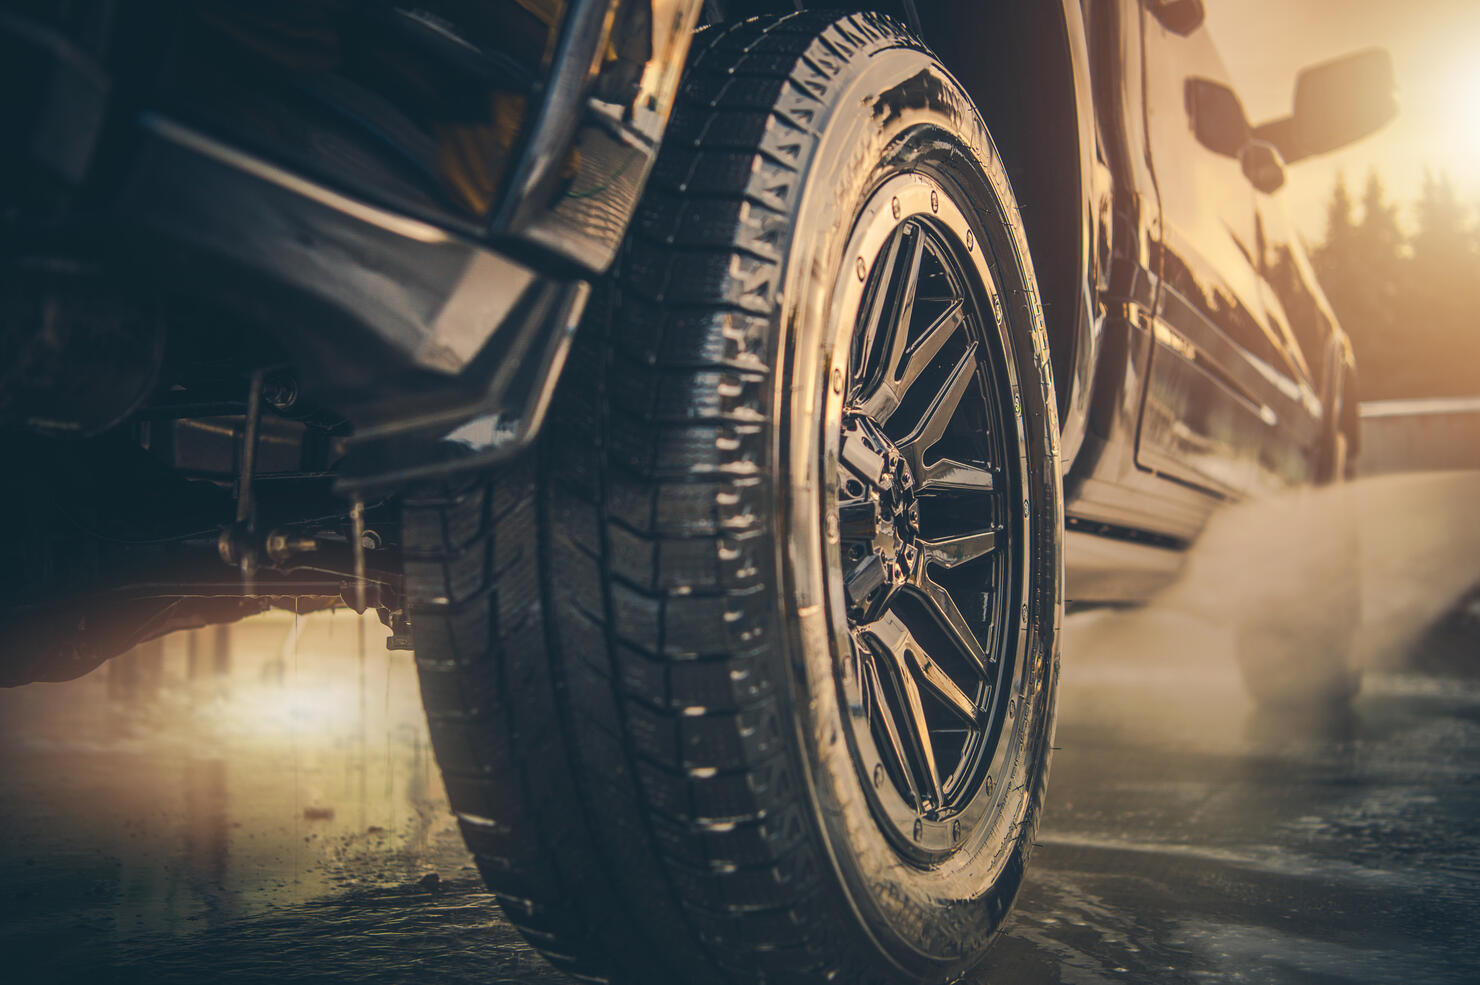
[215, 776]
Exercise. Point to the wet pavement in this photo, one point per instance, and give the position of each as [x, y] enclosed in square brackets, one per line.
[1191, 838]
[264, 807]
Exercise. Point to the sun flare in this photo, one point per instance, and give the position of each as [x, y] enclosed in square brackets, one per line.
[1463, 113]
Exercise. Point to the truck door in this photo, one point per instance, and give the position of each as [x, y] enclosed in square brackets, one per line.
[1298, 310]
[1220, 381]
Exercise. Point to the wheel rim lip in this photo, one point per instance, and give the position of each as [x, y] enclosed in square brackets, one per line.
[902, 198]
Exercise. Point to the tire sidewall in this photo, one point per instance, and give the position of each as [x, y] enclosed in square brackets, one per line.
[894, 109]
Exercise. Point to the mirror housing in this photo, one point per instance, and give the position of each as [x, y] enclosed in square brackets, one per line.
[1181, 17]
[1261, 163]
[1220, 124]
[1217, 116]
[1336, 103]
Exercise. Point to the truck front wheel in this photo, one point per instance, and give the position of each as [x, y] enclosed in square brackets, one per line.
[749, 673]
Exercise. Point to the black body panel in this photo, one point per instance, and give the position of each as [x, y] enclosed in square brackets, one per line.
[414, 202]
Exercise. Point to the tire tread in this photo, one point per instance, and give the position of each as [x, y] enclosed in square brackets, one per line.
[633, 746]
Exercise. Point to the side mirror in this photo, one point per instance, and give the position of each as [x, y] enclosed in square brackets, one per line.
[1181, 17]
[1336, 103]
[1220, 125]
[1262, 166]
[1217, 116]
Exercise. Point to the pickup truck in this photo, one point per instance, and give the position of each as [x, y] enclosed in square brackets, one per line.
[723, 400]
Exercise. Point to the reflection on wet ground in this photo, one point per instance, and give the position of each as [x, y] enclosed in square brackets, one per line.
[244, 806]
[1192, 838]
[263, 806]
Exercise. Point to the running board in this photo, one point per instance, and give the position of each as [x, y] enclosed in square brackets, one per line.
[1101, 570]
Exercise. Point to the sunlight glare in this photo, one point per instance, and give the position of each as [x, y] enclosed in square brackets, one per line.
[1461, 111]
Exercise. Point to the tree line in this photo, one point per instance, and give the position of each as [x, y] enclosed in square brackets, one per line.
[1410, 302]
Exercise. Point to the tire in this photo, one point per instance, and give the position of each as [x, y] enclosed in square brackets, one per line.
[662, 705]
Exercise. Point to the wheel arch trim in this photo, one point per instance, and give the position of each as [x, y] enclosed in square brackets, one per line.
[1059, 203]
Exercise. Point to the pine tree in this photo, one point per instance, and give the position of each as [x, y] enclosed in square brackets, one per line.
[1410, 305]
[1334, 260]
[1379, 236]
[1339, 226]
[1441, 240]
[1358, 267]
[1445, 293]
[1380, 325]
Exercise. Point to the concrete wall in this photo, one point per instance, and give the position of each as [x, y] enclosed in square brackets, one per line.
[1439, 434]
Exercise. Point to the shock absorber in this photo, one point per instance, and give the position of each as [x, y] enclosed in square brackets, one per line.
[237, 543]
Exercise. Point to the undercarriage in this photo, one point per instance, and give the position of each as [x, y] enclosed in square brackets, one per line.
[165, 475]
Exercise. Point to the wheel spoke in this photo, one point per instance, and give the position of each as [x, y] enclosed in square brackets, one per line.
[904, 310]
[919, 734]
[891, 728]
[942, 408]
[955, 699]
[930, 343]
[913, 666]
[886, 397]
[888, 316]
[877, 315]
[948, 552]
[946, 612]
[948, 473]
[913, 660]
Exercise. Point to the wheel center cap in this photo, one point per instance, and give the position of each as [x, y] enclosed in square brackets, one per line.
[898, 517]
[890, 491]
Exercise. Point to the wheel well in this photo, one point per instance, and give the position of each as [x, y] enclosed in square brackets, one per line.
[1016, 62]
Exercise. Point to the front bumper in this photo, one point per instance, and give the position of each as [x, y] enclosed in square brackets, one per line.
[435, 319]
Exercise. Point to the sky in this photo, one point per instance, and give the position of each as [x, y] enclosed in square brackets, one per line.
[1436, 53]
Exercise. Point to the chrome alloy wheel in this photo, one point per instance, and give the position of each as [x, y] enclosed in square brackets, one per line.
[925, 530]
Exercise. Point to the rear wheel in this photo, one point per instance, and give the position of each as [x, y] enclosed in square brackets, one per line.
[749, 674]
